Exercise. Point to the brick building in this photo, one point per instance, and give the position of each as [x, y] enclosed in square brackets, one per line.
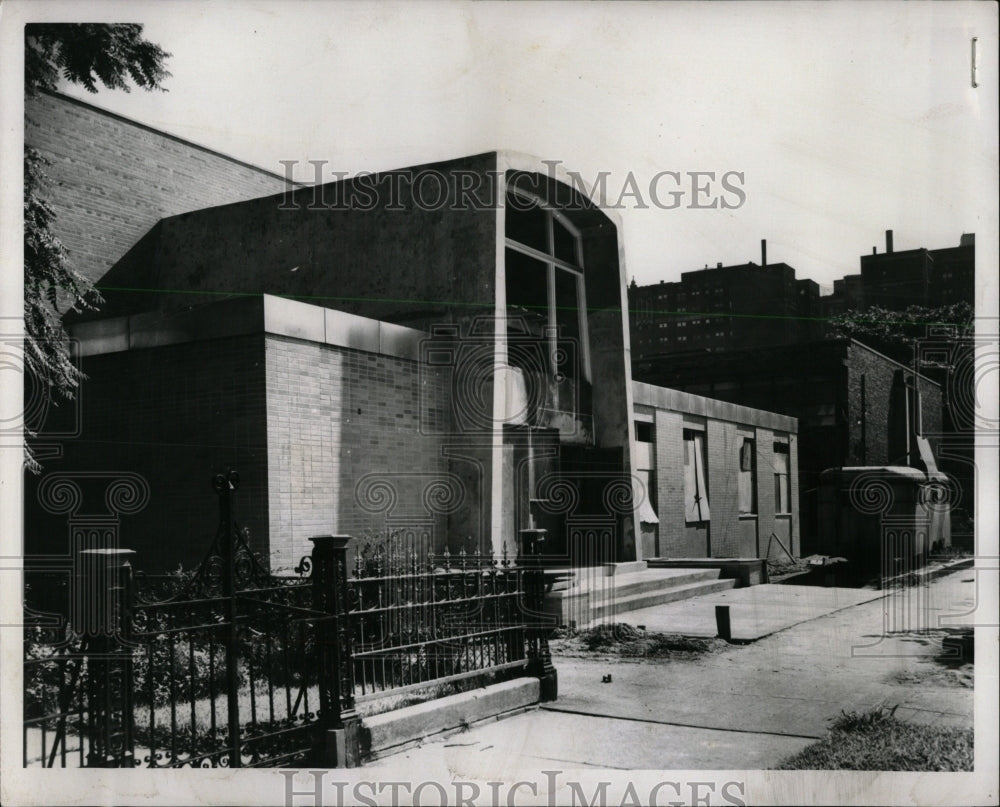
[111, 179]
[899, 279]
[843, 393]
[409, 352]
[739, 484]
[485, 296]
[716, 309]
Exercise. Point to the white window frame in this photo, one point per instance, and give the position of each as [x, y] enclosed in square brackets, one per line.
[696, 510]
[552, 263]
[786, 500]
[747, 481]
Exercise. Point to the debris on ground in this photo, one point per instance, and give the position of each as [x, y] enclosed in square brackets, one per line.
[622, 639]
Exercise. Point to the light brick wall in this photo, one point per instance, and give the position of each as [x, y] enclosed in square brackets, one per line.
[723, 497]
[112, 179]
[765, 491]
[335, 415]
[726, 535]
[668, 454]
[793, 484]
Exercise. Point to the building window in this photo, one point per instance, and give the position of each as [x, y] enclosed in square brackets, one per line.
[695, 478]
[782, 502]
[747, 483]
[643, 431]
[544, 267]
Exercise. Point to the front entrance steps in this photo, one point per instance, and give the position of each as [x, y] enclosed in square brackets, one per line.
[605, 593]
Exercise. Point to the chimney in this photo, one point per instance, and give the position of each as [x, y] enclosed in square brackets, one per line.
[874, 250]
[888, 241]
[763, 252]
[718, 265]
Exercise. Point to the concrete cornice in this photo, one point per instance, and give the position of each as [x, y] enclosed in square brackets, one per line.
[688, 403]
[264, 314]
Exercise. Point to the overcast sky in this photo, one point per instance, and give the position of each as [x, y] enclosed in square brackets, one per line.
[845, 120]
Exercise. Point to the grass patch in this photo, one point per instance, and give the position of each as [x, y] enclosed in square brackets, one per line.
[961, 677]
[876, 741]
[622, 639]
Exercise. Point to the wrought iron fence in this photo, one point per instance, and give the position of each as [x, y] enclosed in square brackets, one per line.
[231, 666]
[54, 711]
[428, 618]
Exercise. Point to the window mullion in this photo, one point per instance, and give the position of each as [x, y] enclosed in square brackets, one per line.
[538, 255]
[553, 322]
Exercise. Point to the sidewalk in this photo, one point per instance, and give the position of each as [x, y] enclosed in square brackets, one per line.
[744, 708]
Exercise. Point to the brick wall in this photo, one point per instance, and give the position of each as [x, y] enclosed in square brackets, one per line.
[722, 496]
[334, 416]
[727, 534]
[676, 538]
[871, 445]
[112, 179]
[795, 538]
[175, 415]
[786, 527]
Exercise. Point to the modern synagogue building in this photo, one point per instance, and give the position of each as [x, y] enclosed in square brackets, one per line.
[439, 350]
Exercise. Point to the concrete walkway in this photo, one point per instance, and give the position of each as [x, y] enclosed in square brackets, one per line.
[744, 708]
[754, 612]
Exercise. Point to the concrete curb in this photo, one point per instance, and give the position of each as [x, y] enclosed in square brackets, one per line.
[401, 728]
[926, 575]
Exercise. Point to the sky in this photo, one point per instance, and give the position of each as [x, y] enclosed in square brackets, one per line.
[844, 120]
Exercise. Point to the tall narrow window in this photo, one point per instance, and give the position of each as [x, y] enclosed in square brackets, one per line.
[782, 502]
[747, 483]
[544, 268]
[695, 487]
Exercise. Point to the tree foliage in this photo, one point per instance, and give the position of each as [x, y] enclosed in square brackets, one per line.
[897, 333]
[90, 53]
[114, 56]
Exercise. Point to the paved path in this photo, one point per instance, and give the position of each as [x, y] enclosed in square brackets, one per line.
[754, 612]
[744, 708]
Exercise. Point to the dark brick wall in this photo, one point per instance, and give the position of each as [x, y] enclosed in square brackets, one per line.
[335, 415]
[870, 446]
[113, 179]
[379, 253]
[175, 415]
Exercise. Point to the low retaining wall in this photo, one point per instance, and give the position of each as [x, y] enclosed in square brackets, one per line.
[392, 731]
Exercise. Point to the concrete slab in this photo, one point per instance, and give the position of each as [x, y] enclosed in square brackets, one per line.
[535, 741]
[746, 707]
[754, 612]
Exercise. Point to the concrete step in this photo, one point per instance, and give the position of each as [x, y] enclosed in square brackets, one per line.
[746, 571]
[622, 605]
[626, 585]
[598, 597]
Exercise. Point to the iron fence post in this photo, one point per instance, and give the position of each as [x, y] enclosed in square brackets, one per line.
[340, 725]
[225, 485]
[103, 619]
[534, 576]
